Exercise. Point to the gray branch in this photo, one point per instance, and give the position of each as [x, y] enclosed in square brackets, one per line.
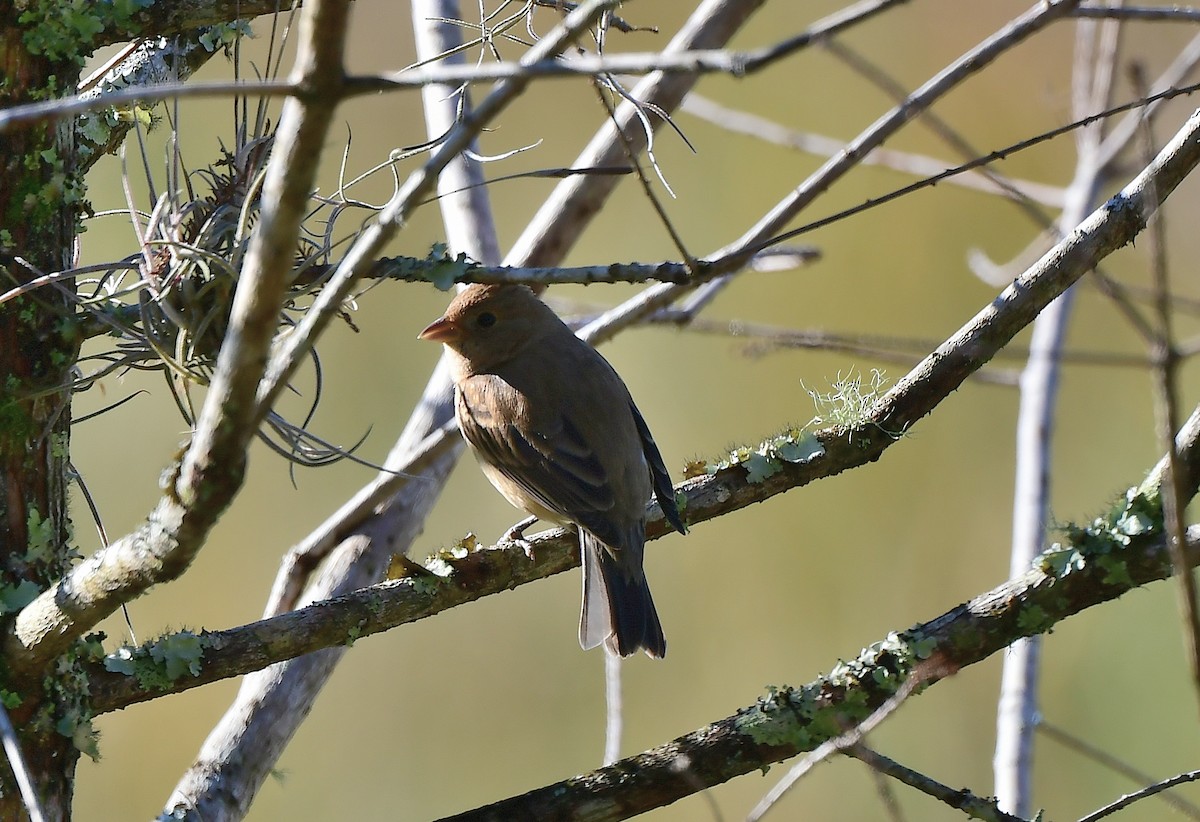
[481, 573]
[211, 470]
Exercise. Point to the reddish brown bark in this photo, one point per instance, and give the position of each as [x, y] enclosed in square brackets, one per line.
[38, 346]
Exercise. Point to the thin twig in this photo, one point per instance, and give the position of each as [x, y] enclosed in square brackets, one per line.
[372, 240]
[1164, 14]
[667, 61]
[1106, 759]
[970, 63]
[998, 154]
[786, 721]
[631, 153]
[975, 807]
[847, 739]
[761, 234]
[1126, 131]
[939, 127]
[753, 125]
[887, 796]
[914, 396]
[1166, 414]
[1151, 790]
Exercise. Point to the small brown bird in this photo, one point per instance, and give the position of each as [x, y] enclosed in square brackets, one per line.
[556, 433]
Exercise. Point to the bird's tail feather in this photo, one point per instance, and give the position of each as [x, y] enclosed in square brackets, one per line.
[618, 611]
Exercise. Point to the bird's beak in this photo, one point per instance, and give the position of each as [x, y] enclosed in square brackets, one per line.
[440, 330]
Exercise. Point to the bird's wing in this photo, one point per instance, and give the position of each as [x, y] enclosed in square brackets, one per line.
[550, 458]
[664, 490]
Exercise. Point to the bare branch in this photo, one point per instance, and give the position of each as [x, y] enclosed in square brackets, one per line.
[371, 241]
[143, 64]
[411, 269]
[1114, 764]
[1165, 14]
[180, 18]
[1017, 704]
[461, 575]
[752, 125]
[787, 721]
[210, 472]
[973, 806]
[675, 61]
[1129, 799]
[485, 572]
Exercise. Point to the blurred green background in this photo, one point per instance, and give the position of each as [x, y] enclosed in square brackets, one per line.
[496, 698]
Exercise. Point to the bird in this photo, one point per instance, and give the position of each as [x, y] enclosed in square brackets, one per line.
[555, 430]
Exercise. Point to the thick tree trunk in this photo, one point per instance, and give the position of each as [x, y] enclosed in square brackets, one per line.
[40, 200]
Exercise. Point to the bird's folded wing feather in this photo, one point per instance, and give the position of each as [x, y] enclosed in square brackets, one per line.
[664, 490]
[551, 459]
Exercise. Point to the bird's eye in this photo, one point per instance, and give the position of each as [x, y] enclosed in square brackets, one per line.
[486, 320]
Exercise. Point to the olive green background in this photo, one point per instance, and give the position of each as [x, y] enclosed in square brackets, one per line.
[496, 698]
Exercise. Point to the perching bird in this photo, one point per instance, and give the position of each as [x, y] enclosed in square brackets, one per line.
[556, 432]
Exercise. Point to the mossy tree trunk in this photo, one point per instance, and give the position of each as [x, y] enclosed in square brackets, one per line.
[40, 200]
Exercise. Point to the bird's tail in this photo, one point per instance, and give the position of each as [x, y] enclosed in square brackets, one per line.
[617, 608]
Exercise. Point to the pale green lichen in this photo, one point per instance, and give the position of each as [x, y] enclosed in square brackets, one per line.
[1033, 619]
[39, 547]
[15, 597]
[60, 444]
[65, 708]
[82, 733]
[66, 29]
[427, 585]
[766, 459]
[158, 664]
[849, 400]
[847, 404]
[807, 716]
[438, 267]
[375, 604]
[1104, 539]
[225, 35]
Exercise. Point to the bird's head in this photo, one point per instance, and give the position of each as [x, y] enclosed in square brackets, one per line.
[490, 324]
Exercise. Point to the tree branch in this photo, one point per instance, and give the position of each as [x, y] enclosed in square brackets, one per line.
[181, 17]
[759, 236]
[484, 572]
[414, 270]
[243, 748]
[1095, 56]
[144, 64]
[962, 799]
[678, 61]
[787, 721]
[211, 470]
[460, 575]
[398, 210]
